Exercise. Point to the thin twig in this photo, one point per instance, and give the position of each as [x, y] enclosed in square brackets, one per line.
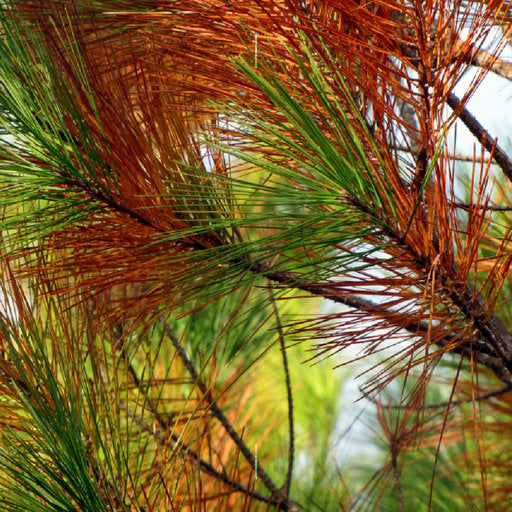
[439, 405]
[453, 156]
[282, 502]
[181, 445]
[291, 448]
[482, 135]
[398, 485]
[203, 465]
[482, 207]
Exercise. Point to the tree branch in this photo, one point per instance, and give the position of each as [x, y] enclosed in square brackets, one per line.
[489, 208]
[491, 329]
[291, 448]
[202, 464]
[277, 498]
[454, 156]
[398, 485]
[481, 135]
[501, 67]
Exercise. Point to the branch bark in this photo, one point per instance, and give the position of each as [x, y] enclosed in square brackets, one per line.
[180, 445]
[289, 395]
[482, 135]
[277, 498]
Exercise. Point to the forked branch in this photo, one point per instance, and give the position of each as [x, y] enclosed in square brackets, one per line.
[204, 466]
[278, 498]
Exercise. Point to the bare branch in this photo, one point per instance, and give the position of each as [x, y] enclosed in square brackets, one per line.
[291, 448]
[490, 208]
[453, 156]
[482, 135]
[180, 445]
[277, 498]
[501, 67]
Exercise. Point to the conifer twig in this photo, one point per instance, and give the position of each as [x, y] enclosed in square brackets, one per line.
[491, 329]
[291, 448]
[398, 485]
[490, 208]
[282, 502]
[482, 135]
[181, 445]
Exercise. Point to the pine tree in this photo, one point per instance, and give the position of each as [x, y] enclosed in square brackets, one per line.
[219, 215]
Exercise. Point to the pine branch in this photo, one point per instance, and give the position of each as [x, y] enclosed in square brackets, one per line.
[491, 329]
[398, 485]
[277, 498]
[482, 135]
[489, 208]
[452, 156]
[180, 444]
[495, 334]
[291, 447]
[386, 57]
[485, 354]
[483, 58]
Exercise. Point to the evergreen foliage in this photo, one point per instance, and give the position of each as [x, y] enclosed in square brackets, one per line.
[219, 219]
